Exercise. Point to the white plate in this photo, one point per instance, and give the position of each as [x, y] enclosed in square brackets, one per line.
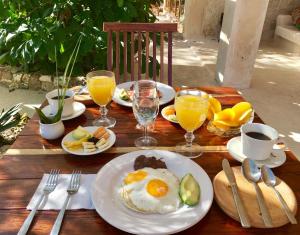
[168, 93]
[109, 179]
[277, 157]
[78, 107]
[165, 116]
[91, 129]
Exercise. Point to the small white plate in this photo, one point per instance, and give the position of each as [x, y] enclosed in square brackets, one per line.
[277, 157]
[168, 93]
[106, 199]
[165, 116]
[78, 107]
[91, 129]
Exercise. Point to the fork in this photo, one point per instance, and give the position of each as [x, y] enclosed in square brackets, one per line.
[72, 189]
[48, 188]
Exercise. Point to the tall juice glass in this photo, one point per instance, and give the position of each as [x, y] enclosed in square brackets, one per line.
[101, 85]
[191, 110]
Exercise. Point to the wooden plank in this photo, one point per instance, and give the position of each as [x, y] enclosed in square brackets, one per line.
[147, 55]
[139, 55]
[132, 53]
[109, 51]
[55, 151]
[154, 55]
[161, 56]
[140, 27]
[125, 55]
[18, 187]
[170, 75]
[80, 222]
[117, 72]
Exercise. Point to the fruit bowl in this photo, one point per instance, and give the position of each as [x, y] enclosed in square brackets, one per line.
[227, 132]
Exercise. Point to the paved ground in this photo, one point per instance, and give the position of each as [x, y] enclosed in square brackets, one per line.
[274, 92]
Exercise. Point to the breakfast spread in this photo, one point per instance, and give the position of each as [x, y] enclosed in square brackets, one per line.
[157, 190]
[87, 141]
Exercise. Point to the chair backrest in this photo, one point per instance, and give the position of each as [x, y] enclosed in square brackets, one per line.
[139, 30]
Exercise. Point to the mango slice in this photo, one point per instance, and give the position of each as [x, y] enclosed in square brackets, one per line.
[214, 106]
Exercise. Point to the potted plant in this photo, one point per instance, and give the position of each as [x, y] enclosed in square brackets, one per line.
[52, 127]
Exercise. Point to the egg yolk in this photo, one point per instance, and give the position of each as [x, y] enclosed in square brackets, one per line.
[135, 176]
[157, 188]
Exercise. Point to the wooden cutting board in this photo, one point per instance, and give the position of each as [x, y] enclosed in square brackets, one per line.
[224, 198]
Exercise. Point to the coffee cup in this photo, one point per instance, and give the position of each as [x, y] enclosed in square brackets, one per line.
[258, 140]
[68, 109]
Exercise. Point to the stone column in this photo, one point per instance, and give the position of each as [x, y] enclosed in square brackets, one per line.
[193, 19]
[239, 40]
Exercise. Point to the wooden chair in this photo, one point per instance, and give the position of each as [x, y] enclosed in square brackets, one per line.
[138, 31]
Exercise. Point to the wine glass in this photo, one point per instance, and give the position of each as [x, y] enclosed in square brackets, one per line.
[145, 107]
[101, 85]
[191, 108]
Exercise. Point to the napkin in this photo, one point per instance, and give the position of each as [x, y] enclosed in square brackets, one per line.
[54, 201]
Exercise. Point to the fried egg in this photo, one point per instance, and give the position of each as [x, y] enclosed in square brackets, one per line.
[151, 191]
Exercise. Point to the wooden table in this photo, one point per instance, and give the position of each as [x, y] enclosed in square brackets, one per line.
[30, 157]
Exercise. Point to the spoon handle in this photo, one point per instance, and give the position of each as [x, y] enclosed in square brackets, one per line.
[263, 208]
[287, 210]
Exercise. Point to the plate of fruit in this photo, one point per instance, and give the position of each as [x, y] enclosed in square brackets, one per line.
[88, 140]
[227, 122]
[169, 113]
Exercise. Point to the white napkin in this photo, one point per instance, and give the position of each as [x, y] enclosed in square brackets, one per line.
[55, 200]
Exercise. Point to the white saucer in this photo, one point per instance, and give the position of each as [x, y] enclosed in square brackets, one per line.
[78, 107]
[277, 157]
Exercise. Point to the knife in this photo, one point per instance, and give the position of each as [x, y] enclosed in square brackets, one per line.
[237, 199]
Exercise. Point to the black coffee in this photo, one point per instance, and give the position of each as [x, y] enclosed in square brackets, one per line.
[56, 97]
[257, 135]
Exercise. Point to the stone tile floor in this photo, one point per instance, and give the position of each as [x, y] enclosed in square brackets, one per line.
[274, 92]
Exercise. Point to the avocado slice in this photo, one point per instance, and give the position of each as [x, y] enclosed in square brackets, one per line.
[80, 133]
[189, 190]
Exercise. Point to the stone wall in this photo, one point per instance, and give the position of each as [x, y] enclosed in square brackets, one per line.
[211, 14]
[13, 78]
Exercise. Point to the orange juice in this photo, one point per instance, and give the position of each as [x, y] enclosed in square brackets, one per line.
[101, 89]
[191, 111]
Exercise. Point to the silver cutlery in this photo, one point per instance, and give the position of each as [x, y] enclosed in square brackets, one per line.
[252, 173]
[237, 199]
[72, 189]
[270, 180]
[48, 188]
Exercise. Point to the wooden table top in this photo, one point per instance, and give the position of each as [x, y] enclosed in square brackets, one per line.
[24, 164]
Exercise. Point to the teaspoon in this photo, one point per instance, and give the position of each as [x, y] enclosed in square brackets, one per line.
[252, 173]
[269, 179]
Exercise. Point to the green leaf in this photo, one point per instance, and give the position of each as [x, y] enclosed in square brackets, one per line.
[120, 3]
[61, 48]
[10, 36]
[4, 57]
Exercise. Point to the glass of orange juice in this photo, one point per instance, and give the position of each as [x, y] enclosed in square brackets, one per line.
[101, 85]
[191, 108]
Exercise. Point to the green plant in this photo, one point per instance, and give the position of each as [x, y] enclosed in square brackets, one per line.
[62, 86]
[10, 117]
[30, 30]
